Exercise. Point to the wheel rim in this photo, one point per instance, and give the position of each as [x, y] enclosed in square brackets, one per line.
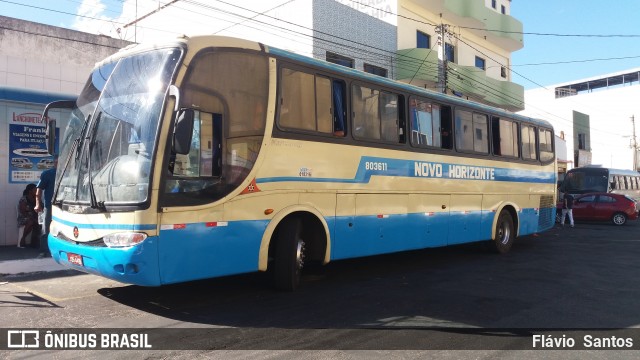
[504, 233]
[299, 255]
[619, 219]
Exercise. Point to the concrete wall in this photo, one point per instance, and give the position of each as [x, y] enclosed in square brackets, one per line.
[39, 63]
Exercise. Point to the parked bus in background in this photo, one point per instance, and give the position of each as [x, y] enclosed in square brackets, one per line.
[209, 156]
[589, 179]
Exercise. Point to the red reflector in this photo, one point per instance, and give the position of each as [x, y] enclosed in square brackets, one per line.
[212, 224]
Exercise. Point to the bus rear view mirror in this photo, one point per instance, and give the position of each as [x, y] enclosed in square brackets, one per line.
[183, 132]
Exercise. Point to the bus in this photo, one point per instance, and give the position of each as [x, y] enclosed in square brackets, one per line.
[210, 156]
[589, 179]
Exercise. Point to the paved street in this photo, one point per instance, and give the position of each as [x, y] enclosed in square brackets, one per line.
[582, 278]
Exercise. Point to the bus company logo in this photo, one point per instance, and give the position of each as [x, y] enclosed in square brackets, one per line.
[23, 339]
[76, 232]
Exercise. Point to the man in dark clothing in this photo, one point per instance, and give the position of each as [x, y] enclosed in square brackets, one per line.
[567, 209]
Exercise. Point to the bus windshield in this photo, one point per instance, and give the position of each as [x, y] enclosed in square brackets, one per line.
[115, 129]
[581, 182]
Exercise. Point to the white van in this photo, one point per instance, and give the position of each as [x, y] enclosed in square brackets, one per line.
[22, 163]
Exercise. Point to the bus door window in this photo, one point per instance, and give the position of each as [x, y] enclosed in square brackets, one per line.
[194, 171]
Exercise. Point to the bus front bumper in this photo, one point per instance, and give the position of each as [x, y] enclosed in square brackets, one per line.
[136, 264]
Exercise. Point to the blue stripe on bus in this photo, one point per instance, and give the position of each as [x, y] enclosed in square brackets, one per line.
[135, 227]
[233, 249]
[377, 166]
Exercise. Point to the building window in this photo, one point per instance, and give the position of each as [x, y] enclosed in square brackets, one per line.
[339, 59]
[449, 52]
[376, 70]
[582, 141]
[423, 40]
[503, 9]
[493, 4]
[480, 63]
[503, 72]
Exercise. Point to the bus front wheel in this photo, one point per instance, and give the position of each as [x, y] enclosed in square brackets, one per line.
[505, 233]
[289, 255]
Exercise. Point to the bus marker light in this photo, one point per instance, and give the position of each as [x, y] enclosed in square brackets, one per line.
[381, 216]
[268, 211]
[430, 213]
[216, 223]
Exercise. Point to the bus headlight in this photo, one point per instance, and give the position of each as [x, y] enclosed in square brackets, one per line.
[124, 239]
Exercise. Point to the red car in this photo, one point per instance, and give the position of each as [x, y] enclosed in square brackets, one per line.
[601, 207]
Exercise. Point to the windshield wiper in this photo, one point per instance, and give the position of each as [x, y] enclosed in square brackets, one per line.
[75, 146]
[92, 193]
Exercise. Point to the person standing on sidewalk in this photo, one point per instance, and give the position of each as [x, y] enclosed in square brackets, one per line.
[27, 216]
[46, 185]
[567, 209]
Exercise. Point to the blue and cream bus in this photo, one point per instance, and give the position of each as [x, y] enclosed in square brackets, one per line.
[209, 156]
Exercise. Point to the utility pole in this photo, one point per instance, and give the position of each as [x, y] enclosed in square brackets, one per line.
[635, 144]
[441, 30]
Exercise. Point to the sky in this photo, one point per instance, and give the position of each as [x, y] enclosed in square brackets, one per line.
[586, 38]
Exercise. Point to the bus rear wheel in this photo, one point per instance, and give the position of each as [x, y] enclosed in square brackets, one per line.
[289, 255]
[504, 234]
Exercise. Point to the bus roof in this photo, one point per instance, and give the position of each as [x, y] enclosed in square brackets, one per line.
[230, 42]
[404, 86]
[611, 171]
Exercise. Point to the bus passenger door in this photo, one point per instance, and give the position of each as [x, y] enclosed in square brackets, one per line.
[429, 219]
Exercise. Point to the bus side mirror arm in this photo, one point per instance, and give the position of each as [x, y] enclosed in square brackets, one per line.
[51, 123]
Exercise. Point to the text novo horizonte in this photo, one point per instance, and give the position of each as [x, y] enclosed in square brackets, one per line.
[426, 169]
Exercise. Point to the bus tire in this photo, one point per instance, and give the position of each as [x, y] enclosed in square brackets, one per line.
[289, 255]
[619, 219]
[505, 233]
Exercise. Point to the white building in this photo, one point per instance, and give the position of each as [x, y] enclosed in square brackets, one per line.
[38, 64]
[594, 116]
[392, 38]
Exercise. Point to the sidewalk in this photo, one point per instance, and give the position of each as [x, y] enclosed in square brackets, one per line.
[15, 261]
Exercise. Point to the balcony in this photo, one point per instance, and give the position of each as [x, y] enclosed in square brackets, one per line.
[420, 67]
[477, 18]
[474, 83]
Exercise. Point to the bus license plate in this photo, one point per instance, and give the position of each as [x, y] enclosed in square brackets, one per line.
[75, 259]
